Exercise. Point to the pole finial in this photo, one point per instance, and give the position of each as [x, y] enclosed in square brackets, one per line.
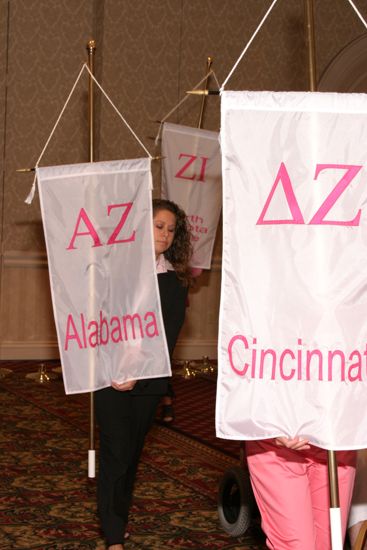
[91, 45]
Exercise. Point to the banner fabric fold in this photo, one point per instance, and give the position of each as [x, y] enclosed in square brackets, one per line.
[292, 351]
[97, 220]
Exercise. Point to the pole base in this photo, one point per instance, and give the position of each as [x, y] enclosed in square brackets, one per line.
[42, 377]
[91, 463]
[336, 529]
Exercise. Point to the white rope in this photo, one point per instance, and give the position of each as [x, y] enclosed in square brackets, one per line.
[216, 80]
[358, 13]
[30, 196]
[259, 27]
[60, 115]
[211, 72]
[248, 45]
[119, 114]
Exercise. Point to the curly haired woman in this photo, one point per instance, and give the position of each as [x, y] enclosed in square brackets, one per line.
[125, 411]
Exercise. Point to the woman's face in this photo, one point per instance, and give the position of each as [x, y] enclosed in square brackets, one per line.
[164, 225]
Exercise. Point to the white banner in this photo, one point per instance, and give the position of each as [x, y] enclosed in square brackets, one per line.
[293, 320]
[191, 177]
[97, 220]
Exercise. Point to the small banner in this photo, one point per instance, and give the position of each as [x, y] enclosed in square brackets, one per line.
[97, 220]
[191, 177]
[292, 355]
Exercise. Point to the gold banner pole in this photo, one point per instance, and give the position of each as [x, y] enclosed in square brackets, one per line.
[208, 66]
[334, 512]
[91, 48]
[310, 39]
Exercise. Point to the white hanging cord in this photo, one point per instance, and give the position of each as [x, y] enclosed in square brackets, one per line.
[358, 13]
[60, 115]
[30, 196]
[119, 114]
[215, 78]
[248, 45]
[211, 72]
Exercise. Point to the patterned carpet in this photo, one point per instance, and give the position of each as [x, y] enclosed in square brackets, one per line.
[47, 501]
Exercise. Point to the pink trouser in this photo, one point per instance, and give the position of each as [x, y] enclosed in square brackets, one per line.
[292, 492]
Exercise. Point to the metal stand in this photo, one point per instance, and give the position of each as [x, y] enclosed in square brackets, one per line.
[310, 39]
[191, 369]
[91, 48]
[334, 512]
[42, 376]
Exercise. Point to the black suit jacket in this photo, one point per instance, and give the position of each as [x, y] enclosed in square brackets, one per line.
[173, 303]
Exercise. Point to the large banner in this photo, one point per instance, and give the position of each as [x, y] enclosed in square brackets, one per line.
[191, 177]
[293, 319]
[97, 220]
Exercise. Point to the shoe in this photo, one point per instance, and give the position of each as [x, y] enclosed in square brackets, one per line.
[168, 414]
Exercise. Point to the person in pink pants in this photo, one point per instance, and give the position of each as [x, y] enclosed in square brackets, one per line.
[290, 483]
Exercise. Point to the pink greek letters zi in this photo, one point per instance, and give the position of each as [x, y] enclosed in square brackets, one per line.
[182, 172]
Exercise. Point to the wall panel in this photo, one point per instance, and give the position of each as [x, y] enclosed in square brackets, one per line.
[26, 322]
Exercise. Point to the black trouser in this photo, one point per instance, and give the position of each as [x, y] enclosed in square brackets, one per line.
[124, 420]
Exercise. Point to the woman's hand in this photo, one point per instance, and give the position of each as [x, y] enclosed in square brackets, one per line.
[297, 443]
[123, 386]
